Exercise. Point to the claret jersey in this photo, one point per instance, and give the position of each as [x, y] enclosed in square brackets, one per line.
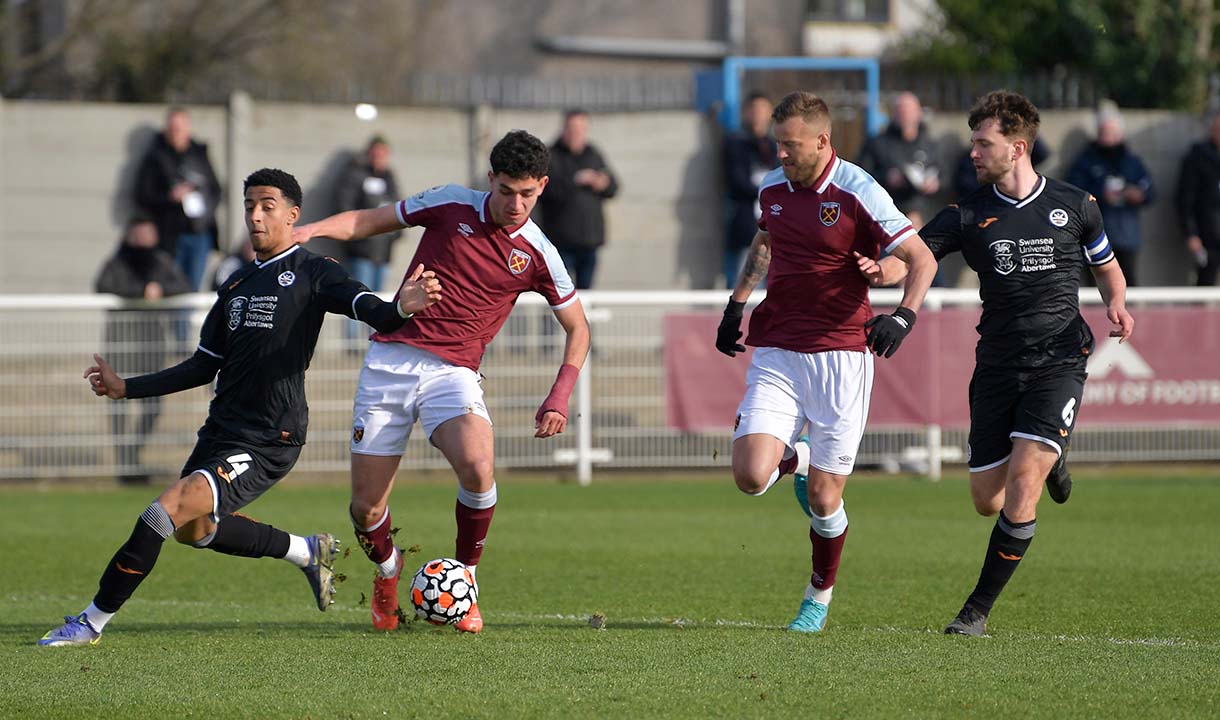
[482, 267]
[817, 300]
[1029, 254]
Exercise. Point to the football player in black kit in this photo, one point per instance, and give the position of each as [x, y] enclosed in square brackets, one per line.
[1027, 237]
[259, 336]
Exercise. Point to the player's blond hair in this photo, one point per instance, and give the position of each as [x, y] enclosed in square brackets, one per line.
[1017, 116]
[805, 105]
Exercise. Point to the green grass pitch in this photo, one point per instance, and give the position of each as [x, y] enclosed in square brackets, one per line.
[1113, 614]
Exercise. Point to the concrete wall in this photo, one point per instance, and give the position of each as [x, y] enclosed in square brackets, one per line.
[66, 171]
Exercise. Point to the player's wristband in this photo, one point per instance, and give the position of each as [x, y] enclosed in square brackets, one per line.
[557, 400]
[906, 316]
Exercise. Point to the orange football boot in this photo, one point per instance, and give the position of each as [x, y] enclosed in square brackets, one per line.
[385, 598]
[472, 623]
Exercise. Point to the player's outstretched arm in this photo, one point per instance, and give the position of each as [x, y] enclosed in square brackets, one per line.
[198, 369]
[886, 332]
[885, 272]
[920, 266]
[103, 381]
[350, 225]
[758, 260]
[552, 416]
[1113, 288]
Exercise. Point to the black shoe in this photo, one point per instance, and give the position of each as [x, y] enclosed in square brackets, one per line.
[1059, 480]
[968, 622]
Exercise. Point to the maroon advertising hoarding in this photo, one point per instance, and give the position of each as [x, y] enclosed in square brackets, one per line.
[1168, 373]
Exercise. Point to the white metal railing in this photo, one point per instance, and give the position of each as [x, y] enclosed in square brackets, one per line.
[51, 426]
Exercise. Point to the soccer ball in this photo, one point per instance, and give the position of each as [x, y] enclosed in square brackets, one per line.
[443, 591]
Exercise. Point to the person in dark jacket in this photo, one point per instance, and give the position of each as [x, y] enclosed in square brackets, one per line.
[580, 181]
[1199, 204]
[1108, 170]
[368, 183]
[905, 160]
[749, 154]
[177, 187]
[138, 337]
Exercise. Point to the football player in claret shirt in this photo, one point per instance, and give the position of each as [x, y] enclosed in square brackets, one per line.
[814, 330]
[429, 370]
[259, 336]
[1027, 236]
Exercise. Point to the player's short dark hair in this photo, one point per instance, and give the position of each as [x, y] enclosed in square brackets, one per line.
[376, 140]
[756, 95]
[1014, 112]
[809, 107]
[574, 112]
[520, 155]
[276, 178]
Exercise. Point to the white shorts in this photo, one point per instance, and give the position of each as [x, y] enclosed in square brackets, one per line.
[400, 384]
[829, 390]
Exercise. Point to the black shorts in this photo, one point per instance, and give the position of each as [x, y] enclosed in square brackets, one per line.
[239, 471]
[1039, 404]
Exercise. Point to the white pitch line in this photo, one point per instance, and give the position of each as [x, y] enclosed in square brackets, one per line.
[678, 622]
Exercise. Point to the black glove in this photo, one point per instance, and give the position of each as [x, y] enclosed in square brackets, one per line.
[729, 331]
[885, 332]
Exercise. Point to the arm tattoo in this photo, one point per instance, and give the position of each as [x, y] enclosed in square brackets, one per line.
[757, 262]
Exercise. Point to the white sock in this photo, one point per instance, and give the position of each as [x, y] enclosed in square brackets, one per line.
[96, 618]
[822, 596]
[389, 568]
[298, 550]
[770, 481]
[802, 458]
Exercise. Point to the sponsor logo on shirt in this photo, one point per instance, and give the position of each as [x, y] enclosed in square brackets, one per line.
[829, 213]
[237, 307]
[286, 278]
[261, 311]
[1058, 217]
[776, 208]
[518, 261]
[465, 230]
[1002, 256]
[987, 222]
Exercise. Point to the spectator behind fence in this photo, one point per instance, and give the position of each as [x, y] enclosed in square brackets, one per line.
[571, 205]
[177, 187]
[749, 154]
[368, 183]
[905, 161]
[138, 338]
[1111, 172]
[1199, 204]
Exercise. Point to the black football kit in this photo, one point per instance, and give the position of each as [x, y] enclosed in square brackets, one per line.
[260, 336]
[1033, 343]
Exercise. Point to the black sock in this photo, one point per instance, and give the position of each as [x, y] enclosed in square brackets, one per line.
[134, 560]
[1009, 541]
[239, 535]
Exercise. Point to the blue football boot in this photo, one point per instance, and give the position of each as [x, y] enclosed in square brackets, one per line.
[76, 630]
[320, 571]
[811, 617]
